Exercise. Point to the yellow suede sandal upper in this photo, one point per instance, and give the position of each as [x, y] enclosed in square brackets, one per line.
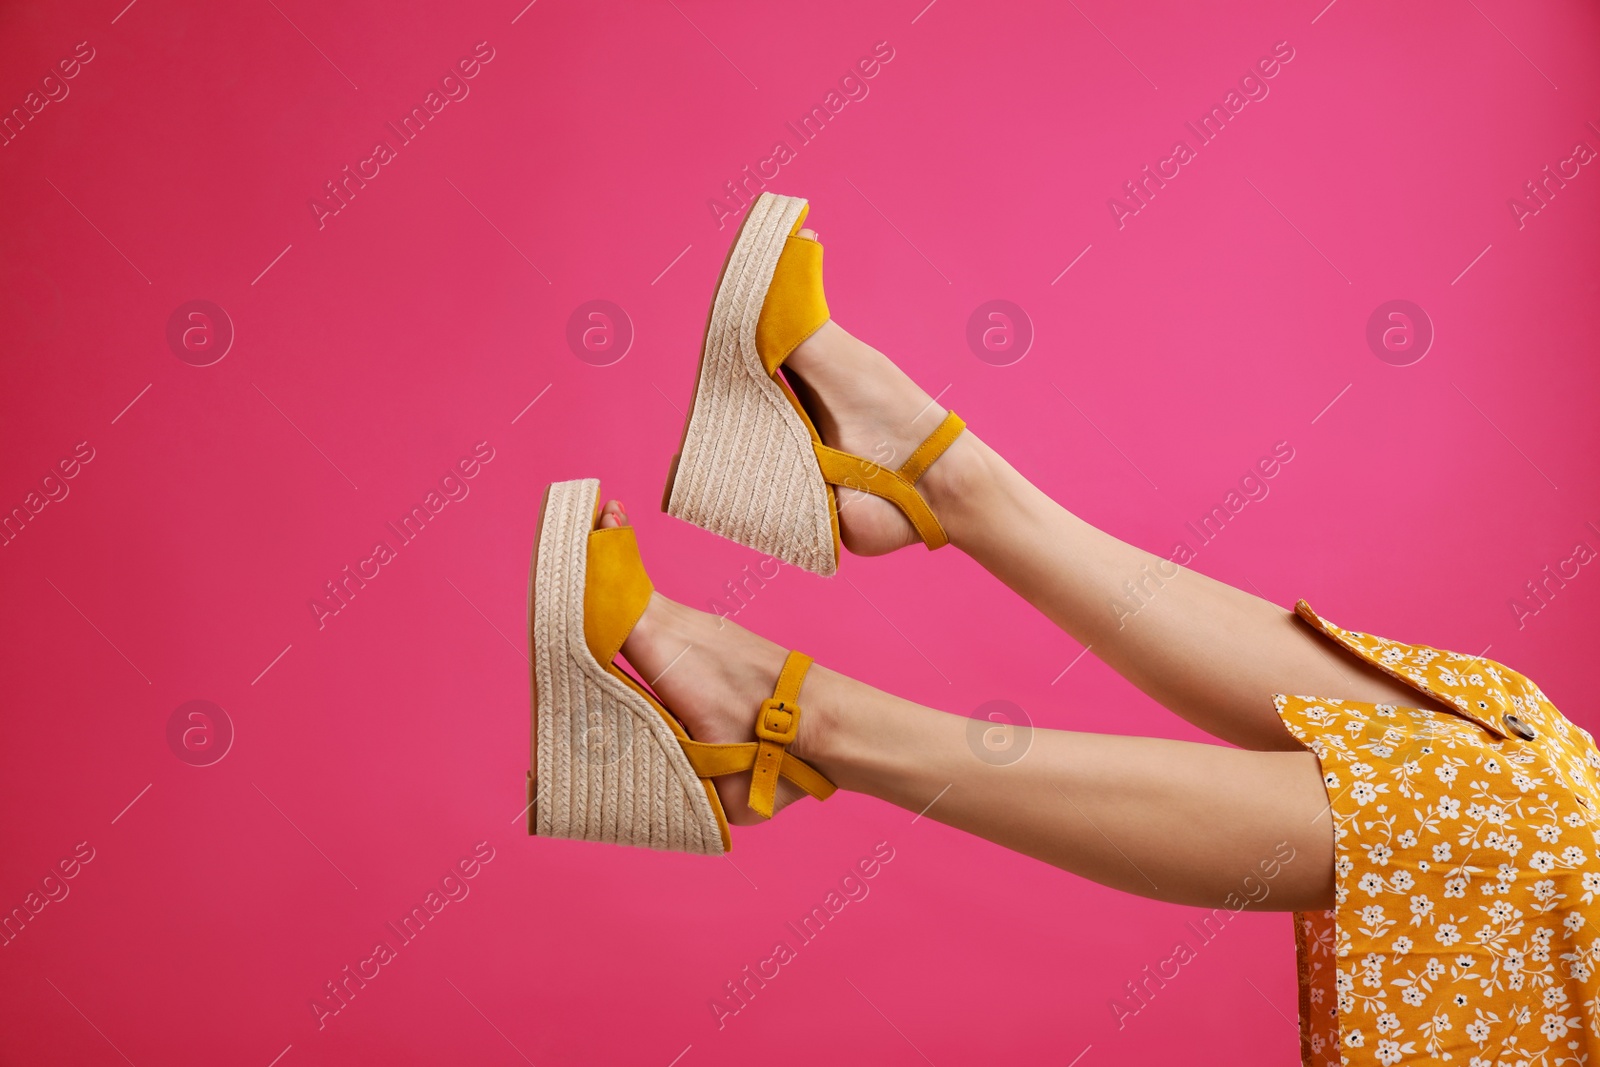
[796, 308]
[616, 592]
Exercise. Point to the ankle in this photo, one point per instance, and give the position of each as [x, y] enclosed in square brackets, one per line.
[960, 487]
[822, 739]
[863, 739]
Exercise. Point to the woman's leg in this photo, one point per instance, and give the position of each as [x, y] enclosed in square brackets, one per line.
[1211, 653]
[1171, 820]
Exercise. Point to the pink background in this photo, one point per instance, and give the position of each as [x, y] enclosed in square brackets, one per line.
[427, 315]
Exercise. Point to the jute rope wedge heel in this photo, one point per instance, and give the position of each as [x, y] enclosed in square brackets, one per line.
[752, 467]
[609, 762]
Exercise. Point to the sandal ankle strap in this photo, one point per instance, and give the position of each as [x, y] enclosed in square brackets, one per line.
[776, 727]
[898, 487]
[768, 757]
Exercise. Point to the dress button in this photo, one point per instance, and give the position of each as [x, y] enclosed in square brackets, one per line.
[1518, 727]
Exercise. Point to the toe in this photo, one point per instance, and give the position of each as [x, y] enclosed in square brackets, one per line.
[612, 515]
[810, 235]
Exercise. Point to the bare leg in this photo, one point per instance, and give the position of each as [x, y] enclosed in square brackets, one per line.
[1211, 653]
[1170, 820]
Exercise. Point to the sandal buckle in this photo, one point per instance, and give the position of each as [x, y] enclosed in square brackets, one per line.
[778, 722]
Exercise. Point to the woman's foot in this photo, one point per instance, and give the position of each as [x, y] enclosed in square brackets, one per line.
[863, 404]
[714, 676]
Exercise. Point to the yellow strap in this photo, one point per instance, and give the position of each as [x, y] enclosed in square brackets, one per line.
[794, 307]
[776, 726]
[806, 777]
[767, 758]
[714, 761]
[615, 592]
[897, 487]
[942, 437]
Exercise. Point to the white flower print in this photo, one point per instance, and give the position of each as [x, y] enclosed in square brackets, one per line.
[1389, 1052]
[1435, 818]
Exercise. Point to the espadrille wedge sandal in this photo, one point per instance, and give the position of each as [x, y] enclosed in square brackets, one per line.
[610, 763]
[752, 466]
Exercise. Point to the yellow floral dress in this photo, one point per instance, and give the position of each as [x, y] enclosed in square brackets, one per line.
[1465, 928]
